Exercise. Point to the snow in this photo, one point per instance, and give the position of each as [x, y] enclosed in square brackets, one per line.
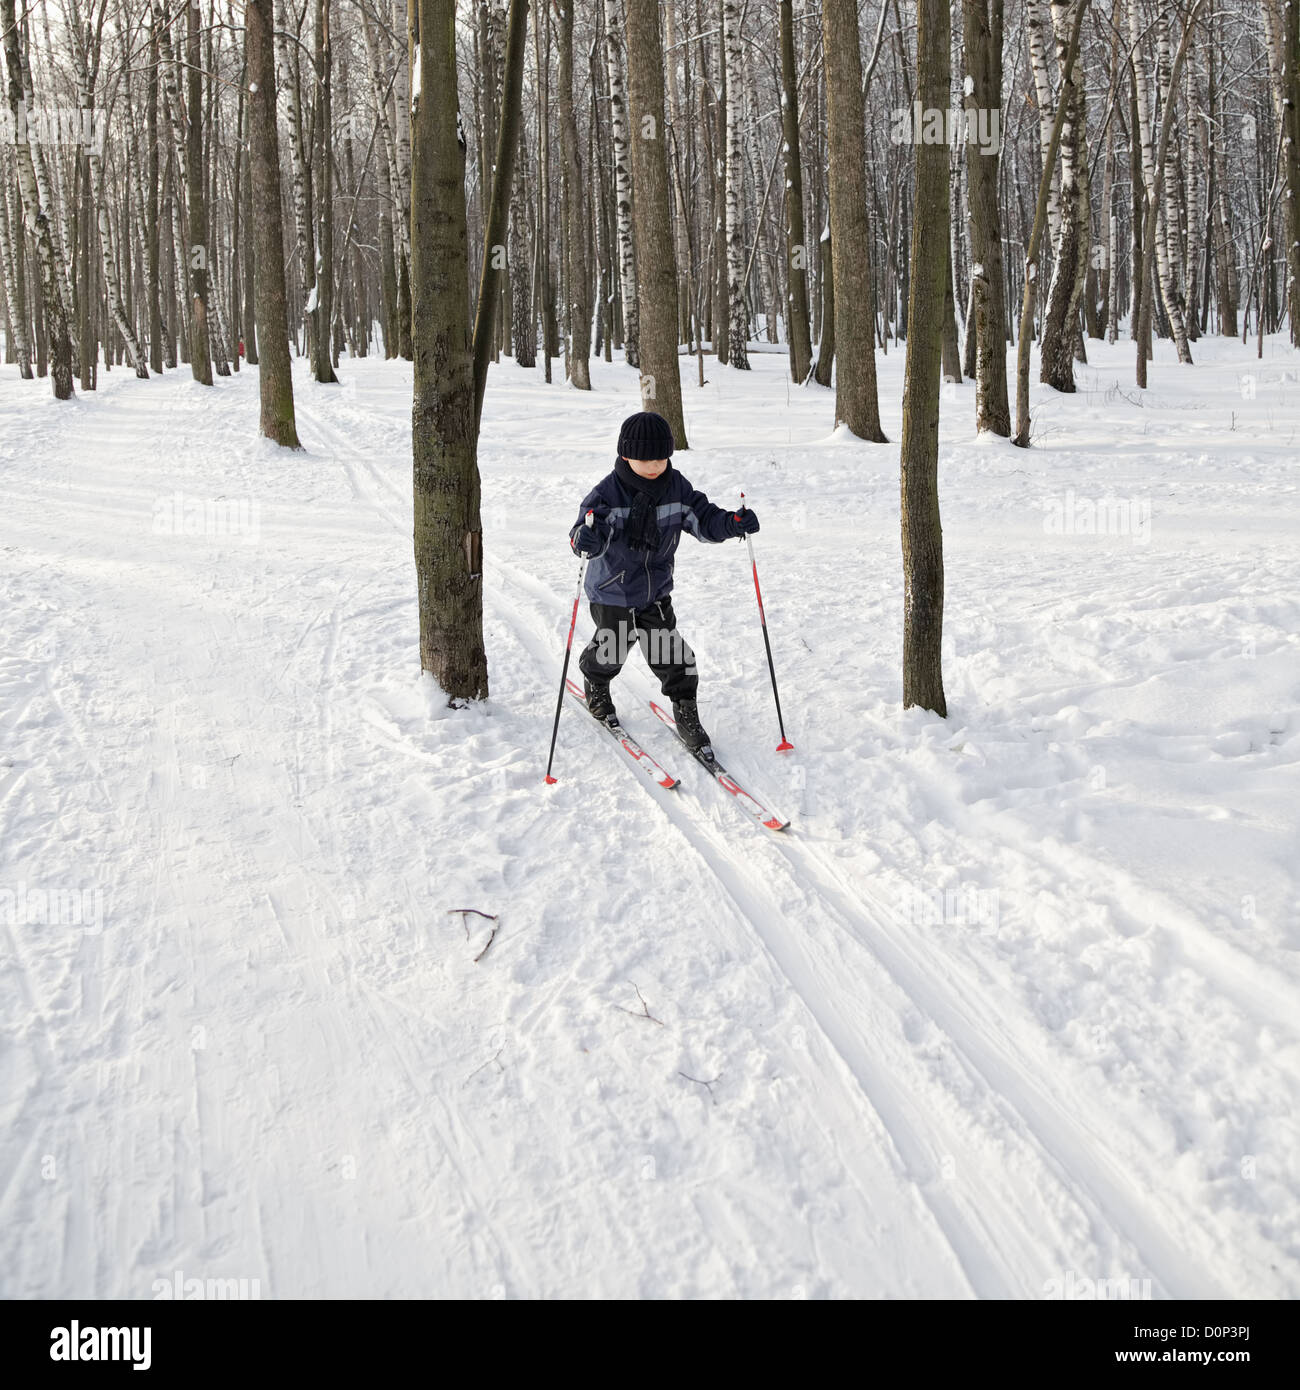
[311, 297]
[1012, 1001]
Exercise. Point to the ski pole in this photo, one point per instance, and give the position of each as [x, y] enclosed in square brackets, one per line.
[785, 745]
[568, 648]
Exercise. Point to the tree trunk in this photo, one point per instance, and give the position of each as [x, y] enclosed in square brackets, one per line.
[306, 255]
[275, 373]
[983, 42]
[152, 193]
[1153, 179]
[577, 290]
[503, 172]
[826, 343]
[523, 327]
[796, 250]
[1036, 238]
[921, 528]
[448, 529]
[622, 178]
[196, 203]
[661, 386]
[734, 175]
[1056, 358]
[323, 186]
[12, 251]
[1151, 243]
[54, 316]
[856, 401]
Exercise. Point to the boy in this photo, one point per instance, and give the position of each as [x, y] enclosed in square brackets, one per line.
[640, 511]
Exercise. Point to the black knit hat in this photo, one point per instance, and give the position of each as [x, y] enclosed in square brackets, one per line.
[645, 435]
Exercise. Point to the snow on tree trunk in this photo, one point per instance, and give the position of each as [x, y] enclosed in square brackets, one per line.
[737, 314]
[576, 287]
[38, 214]
[622, 177]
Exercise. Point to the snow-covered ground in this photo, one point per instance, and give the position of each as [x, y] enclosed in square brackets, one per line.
[1011, 1007]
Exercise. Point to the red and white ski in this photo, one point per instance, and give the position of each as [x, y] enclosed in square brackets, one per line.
[748, 803]
[639, 757]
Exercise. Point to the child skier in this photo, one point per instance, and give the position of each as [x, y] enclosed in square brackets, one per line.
[640, 511]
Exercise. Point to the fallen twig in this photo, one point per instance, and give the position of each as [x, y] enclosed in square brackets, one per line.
[708, 1085]
[645, 1008]
[464, 914]
[488, 1063]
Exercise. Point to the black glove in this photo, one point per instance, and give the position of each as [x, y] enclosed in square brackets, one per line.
[743, 522]
[590, 540]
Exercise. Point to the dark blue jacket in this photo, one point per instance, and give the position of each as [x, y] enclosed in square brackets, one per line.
[630, 578]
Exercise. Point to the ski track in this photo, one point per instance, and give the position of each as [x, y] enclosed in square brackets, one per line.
[971, 1228]
[1008, 1165]
[993, 1215]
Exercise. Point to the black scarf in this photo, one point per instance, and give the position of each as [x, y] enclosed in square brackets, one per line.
[642, 531]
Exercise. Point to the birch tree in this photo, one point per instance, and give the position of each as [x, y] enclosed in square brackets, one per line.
[622, 177]
[38, 214]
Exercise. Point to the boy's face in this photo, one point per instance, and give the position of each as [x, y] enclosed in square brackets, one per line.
[647, 468]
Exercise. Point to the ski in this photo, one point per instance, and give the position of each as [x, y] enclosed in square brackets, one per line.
[748, 803]
[639, 757]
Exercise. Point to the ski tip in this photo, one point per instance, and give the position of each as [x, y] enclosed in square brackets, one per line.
[785, 746]
[668, 783]
[775, 824]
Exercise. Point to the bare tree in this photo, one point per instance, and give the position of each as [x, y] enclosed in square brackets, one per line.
[503, 171]
[983, 45]
[448, 528]
[796, 249]
[661, 385]
[577, 292]
[38, 214]
[922, 531]
[737, 314]
[622, 176]
[275, 373]
[856, 401]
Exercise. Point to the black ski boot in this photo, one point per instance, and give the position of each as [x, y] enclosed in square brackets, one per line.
[600, 704]
[686, 715]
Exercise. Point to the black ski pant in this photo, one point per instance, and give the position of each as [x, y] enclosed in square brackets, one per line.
[654, 630]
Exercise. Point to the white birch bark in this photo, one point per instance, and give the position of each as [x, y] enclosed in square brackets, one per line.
[622, 178]
[1038, 26]
[11, 237]
[738, 356]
